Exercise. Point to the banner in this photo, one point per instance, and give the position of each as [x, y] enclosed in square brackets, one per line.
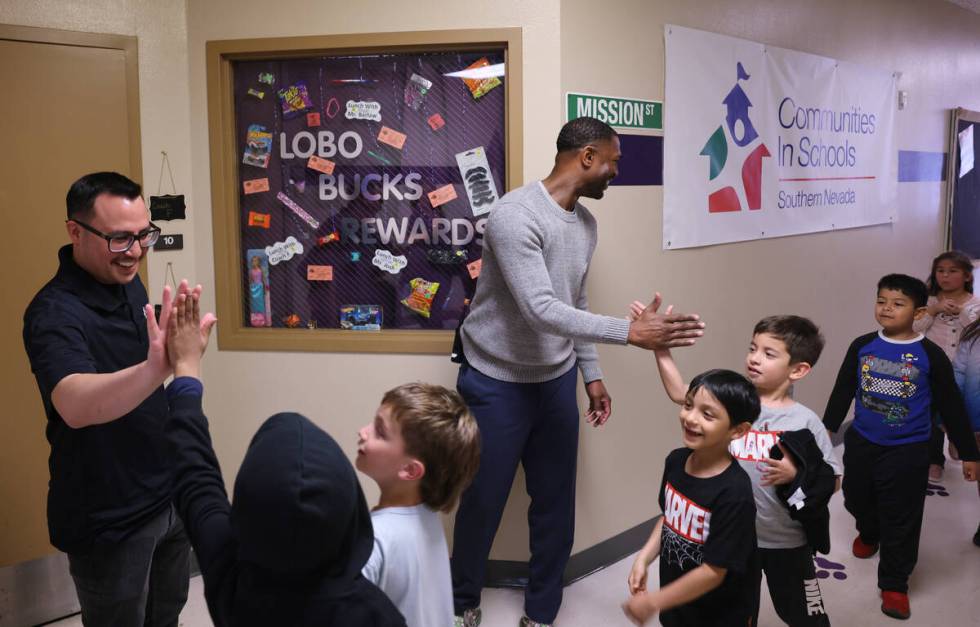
[765, 142]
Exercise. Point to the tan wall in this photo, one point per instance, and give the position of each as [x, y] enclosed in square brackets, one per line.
[161, 27]
[829, 277]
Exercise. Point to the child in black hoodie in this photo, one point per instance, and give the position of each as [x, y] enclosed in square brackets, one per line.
[291, 548]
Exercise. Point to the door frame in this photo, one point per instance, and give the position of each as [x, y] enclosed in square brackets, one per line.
[45, 591]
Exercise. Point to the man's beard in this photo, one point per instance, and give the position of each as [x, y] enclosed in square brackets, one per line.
[595, 190]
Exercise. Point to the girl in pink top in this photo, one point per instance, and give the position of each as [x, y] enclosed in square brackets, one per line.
[951, 308]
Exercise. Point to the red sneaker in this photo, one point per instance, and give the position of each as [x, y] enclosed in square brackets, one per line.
[895, 604]
[862, 550]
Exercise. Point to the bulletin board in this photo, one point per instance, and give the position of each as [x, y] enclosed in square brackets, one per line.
[964, 183]
[355, 177]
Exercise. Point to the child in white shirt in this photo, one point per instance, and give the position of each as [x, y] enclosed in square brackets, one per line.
[422, 449]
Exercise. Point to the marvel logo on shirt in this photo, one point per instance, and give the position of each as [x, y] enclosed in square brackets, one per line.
[708, 521]
[774, 527]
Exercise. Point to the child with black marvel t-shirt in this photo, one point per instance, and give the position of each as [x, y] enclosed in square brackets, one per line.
[706, 536]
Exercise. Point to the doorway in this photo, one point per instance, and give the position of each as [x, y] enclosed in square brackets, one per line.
[71, 107]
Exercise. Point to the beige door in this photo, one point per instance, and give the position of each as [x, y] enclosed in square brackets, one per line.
[70, 107]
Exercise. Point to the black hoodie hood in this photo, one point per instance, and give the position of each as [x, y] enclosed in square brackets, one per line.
[298, 507]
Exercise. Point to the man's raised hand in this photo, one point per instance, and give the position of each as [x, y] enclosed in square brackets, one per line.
[652, 330]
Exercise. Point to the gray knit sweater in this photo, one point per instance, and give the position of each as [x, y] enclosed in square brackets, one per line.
[529, 320]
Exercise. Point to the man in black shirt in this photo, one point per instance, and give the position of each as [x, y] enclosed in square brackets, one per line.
[100, 361]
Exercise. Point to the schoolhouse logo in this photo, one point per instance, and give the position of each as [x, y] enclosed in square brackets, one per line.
[747, 142]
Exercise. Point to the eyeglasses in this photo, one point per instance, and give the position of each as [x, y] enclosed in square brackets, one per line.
[120, 242]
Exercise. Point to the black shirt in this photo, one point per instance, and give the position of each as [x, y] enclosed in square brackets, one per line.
[708, 521]
[109, 479]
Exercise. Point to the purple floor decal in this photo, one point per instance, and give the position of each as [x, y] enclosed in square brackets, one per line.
[826, 569]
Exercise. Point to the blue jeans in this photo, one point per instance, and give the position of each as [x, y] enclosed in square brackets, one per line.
[536, 425]
[140, 581]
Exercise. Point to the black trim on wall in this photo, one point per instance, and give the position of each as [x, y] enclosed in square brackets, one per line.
[514, 574]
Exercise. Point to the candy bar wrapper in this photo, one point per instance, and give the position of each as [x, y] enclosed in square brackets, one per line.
[436, 122]
[360, 317]
[480, 86]
[446, 256]
[477, 179]
[294, 99]
[258, 146]
[421, 297]
[415, 91]
[299, 211]
[263, 220]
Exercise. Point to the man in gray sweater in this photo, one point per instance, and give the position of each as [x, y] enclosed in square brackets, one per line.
[528, 327]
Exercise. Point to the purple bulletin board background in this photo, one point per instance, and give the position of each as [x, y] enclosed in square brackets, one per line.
[437, 243]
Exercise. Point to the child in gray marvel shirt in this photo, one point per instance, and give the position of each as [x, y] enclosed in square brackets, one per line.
[782, 351]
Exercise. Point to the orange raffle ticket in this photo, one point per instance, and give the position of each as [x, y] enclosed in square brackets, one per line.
[319, 273]
[256, 185]
[442, 195]
[391, 137]
[320, 165]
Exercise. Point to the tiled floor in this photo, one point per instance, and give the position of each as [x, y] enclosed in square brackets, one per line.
[945, 589]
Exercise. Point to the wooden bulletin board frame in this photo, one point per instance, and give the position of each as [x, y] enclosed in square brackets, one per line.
[233, 334]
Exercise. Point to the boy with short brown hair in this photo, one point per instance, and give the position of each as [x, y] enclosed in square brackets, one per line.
[422, 449]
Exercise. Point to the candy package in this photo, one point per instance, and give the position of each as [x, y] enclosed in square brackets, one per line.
[420, 299]
[480, 86]
[294, 99]
[415, 91]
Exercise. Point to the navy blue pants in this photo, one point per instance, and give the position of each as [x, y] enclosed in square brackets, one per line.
[535, 424]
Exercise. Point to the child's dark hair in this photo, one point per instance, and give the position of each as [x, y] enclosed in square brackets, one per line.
[802, 338]
[962, 260]
[971, 332]
[736, 394]
[438, 429]
[908, 285]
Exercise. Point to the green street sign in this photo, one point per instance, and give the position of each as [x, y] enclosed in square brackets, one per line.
[618, 112]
